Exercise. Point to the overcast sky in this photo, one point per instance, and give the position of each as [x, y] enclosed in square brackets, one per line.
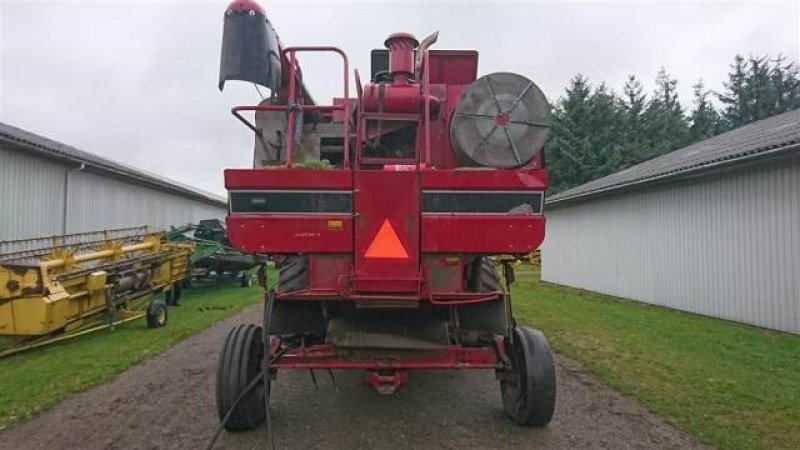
[137, 81]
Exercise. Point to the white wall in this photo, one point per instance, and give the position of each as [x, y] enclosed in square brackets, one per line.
[726, 246]
[32, 200]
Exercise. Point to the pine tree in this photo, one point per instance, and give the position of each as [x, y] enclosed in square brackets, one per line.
[567, 140]
[635, 143]
[586, 136]
[736, 99]
[761, 98]
[704, 118]
[664, 122]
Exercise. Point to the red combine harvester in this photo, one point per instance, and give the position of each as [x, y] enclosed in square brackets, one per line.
[382, 211]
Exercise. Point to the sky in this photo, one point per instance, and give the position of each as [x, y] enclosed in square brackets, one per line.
[136, 81]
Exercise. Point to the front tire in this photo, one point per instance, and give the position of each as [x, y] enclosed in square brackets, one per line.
[529, 387]
[239, 363]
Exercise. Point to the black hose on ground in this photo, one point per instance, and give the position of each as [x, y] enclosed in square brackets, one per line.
[253, 383]
[224, 420]
[263, 375]
[267, 321]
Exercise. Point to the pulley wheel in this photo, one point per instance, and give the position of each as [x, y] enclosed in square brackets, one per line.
[502, 120]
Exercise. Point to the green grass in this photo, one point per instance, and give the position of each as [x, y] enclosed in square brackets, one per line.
[730, 385]
[34, 380]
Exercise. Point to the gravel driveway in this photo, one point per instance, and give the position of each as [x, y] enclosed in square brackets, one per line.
[168, 402]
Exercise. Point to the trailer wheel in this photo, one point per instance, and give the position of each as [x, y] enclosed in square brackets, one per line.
[246, 280]
[177, 294]
[529, 388]
[239, 363]
[173, 296]
[156, 314]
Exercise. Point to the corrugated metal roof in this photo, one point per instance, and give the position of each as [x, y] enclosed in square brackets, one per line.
[769, 136]
[28, 141]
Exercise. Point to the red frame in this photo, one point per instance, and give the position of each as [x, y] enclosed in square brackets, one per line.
[451, 357]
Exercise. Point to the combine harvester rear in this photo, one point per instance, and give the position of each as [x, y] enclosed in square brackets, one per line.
[385, 255]
[59, 287]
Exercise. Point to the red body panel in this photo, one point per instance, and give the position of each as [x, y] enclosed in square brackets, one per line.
[291, 233]
[481, 234]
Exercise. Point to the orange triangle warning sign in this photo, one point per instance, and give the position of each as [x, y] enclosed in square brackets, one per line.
[386, 244]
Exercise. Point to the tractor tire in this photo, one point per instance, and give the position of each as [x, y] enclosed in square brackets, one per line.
[157, 314]
[529, 387]
[239, 363]
[293, 274]
[246, 280]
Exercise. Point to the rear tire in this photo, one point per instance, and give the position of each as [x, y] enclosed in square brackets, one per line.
[157, 314]
[529, 389]
[239, 363]
[489, 276]
[293, 275]
[487, 317]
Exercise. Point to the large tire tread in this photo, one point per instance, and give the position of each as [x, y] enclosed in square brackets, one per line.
[536, 404]
[239, 362]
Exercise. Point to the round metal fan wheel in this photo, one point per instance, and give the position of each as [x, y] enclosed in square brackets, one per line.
[502, 120]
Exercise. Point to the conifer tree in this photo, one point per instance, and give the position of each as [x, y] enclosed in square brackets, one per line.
[704, 118]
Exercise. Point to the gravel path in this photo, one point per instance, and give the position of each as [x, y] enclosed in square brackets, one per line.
[168, 402]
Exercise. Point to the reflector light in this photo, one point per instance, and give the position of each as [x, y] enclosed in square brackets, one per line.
[386, 244]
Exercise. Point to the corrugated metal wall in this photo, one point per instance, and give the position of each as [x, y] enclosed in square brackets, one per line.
[726, 246]
[32, 200]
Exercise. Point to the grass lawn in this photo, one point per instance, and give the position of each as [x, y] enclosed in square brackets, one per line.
[32, 381]
[730, 385]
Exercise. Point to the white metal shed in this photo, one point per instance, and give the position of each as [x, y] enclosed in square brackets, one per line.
[713, 228]
[50, 188]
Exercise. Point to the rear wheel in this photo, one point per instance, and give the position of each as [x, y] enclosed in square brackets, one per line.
[239, 363]
[489, 276]
[529, 387]
[293, 274]
[486, 317]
